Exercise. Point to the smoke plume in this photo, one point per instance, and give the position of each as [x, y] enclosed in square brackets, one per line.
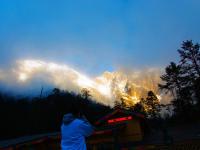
[106, 88]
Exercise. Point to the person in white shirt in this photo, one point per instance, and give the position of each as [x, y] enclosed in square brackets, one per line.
[73, 132]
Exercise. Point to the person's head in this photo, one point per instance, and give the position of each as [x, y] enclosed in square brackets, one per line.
[75, 110]
[73, 113]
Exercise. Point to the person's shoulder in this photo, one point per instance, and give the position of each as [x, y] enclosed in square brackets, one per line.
[78, 121]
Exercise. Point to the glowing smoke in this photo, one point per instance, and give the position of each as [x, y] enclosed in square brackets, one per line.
[107, 88]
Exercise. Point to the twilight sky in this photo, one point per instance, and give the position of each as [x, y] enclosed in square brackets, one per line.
[97, 35]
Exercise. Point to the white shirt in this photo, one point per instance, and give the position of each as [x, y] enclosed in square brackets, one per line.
[74, 133]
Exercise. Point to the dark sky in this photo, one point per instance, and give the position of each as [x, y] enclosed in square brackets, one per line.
[97, 35]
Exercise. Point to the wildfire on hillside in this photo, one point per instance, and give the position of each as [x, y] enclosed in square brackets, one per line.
[106, 88]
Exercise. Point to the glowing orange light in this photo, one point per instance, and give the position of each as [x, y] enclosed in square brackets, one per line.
[120, 119]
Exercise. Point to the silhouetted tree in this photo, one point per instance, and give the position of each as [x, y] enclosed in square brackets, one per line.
[173, 83]
[152, 105]
[139, 107]
[85, 93]
[183, 80]
[172, 79]
[117, 104]
[56, 91]
[190, 62]
[38, 115]
[190, 57]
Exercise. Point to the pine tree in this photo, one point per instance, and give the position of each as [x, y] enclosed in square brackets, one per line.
[190, 57]
[172, 79]
[152, 105]
[85, 93]
[183, 80]
[190, 63]
[140, 107]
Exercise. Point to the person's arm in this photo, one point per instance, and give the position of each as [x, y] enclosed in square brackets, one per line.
[86, 128]
[84, 118]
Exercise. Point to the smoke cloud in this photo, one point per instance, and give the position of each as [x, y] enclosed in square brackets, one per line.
[106, 88]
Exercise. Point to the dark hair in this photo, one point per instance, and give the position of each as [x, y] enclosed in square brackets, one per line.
[75, 110]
